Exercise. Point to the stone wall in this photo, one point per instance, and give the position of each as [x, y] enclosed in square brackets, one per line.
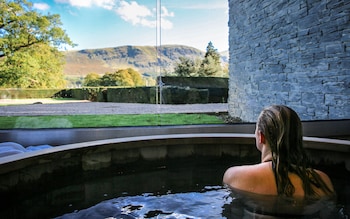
[295, 53]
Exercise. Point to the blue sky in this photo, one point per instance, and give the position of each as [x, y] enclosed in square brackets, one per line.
[110, 23]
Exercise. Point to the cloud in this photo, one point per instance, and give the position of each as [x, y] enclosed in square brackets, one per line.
[41, 6]
[166, 13]
[141, 15]
[131, 12]
[106, 4]
[134, 13]
[166, 24]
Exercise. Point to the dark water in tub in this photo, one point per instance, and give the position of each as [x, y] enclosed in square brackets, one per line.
[187, 188]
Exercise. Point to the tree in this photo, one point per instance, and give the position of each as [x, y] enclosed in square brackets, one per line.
[22, 27]
[29, 43]
[123, 77]
[92, 80]
[211, 64]
[186, 67]
[225, 70]
[38, 66]
[136, 77]
[109, 79]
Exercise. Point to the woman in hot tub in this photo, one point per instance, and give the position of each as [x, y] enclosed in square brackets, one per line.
[284, 170]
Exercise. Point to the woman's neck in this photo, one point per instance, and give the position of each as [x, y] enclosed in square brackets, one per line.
[266, 154]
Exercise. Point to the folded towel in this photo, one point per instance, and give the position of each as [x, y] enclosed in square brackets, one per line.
[13, 145]
[11, 148]
[6, 151]
[38, 147]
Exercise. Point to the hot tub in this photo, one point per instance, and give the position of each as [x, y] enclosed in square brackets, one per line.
[105, 175]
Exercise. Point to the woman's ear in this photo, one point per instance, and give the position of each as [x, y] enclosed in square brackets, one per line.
[261, 138]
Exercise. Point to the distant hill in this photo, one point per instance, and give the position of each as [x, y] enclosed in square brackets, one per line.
[224, 56]
[141, 58]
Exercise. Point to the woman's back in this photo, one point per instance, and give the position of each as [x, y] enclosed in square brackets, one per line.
[260, 179]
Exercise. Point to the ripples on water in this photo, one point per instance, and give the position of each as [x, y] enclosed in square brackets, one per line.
[205, 204]
[211, 202]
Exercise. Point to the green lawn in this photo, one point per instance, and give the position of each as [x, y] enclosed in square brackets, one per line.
[90, 121]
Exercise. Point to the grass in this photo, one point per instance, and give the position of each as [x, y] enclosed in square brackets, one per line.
[92, 121]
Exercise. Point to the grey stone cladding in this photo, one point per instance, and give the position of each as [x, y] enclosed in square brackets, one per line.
[291, 52]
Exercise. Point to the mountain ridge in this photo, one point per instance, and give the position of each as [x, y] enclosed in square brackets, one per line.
[142, 58]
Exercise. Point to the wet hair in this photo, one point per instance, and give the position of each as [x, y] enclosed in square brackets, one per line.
[283, 132]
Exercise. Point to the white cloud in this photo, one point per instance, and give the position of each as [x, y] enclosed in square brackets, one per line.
[166, 13]
[131, 12]
[166, 24]
[41, 6]
[141, 15]
[134, 13]
[106, 4]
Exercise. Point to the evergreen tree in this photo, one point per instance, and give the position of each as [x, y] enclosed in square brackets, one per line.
[184, 68]
[211, 64]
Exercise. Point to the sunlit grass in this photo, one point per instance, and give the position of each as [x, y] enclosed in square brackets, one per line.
[91, 121]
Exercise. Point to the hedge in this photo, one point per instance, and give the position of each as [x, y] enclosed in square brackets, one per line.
[176, 90]
[27, 93]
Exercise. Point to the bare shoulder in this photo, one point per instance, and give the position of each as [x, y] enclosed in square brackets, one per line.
[234, 175]
[256, 178]
[325, 179]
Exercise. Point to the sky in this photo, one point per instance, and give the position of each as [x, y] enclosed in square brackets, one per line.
[110, 23]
